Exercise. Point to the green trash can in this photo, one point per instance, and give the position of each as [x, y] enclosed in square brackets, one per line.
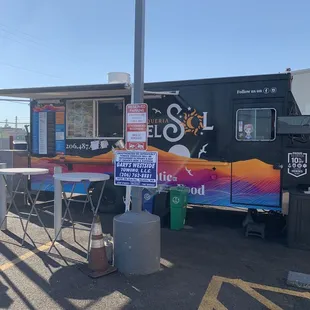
[178, 206]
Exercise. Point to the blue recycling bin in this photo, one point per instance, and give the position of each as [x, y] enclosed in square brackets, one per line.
[148, 200]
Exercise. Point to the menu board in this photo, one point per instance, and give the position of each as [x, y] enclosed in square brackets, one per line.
[48, 129]
[80, 118]
[60, 132]
[50, 133]
[35, 132]
[42, 133]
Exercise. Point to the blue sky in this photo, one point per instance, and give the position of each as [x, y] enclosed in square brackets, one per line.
[70, 42]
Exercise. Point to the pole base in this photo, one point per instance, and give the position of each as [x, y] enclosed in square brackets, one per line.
[94, 274]
[136, 243]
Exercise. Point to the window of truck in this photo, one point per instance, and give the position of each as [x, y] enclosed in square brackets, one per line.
[110, 119]
[256, 124]
[95, 119]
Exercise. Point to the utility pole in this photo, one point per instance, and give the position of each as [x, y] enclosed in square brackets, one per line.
[138, 90]
[136, 233]
[15, 126]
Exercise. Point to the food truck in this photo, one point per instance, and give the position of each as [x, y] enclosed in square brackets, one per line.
[234, 141]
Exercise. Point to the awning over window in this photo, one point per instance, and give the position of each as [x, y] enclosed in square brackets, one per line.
[68, 92]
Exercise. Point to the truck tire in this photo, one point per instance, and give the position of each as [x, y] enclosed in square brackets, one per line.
[112, 197]
[45, 196]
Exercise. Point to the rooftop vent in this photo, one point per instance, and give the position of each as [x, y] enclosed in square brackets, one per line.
[118, 78]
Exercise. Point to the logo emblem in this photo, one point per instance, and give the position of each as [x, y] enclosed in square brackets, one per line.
[147, 196]
[195, 123]
[176, 200]
[297, 165]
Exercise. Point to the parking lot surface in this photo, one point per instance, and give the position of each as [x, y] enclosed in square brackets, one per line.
[208, 265]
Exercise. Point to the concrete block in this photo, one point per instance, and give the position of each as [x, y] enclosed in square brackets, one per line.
[300, 280]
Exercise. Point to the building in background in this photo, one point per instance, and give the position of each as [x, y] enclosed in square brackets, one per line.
[301, 89]
[6, 131]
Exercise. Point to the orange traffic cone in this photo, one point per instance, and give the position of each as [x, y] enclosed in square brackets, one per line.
[98, 265]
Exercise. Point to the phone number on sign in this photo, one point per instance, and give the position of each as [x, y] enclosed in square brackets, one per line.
[134, 175]
[74, 146]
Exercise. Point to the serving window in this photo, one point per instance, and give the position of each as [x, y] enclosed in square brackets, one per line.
[110, 119]
[257, 124]
[103, 119]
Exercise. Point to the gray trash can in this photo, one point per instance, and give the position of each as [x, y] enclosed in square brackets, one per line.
[298, 220]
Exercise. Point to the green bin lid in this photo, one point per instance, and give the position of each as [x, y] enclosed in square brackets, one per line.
[180, 189]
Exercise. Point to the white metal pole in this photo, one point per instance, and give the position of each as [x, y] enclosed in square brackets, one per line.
[57, 204]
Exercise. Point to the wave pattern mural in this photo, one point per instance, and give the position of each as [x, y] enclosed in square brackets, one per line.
[251, 182]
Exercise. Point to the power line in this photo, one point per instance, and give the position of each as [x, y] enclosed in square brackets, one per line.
[15, 35]
[33, 38]
[14, 39]
[29, 70]
[37, 45]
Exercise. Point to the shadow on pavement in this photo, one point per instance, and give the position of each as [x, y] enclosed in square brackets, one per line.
[46, 211]
[5, 300]
[214, 244]
[31, 274]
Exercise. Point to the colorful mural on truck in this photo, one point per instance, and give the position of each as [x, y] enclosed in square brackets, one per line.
[207, 186]
[181, 136]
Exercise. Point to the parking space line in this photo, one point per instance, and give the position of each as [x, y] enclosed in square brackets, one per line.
[259, 297]
[25, 256]
[257, 286]
[280, 290]
[210, 299]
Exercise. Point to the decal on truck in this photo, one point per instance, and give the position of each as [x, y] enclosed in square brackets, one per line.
[176, 122]
[297, 164]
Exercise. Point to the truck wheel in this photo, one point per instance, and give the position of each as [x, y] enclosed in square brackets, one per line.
[112, 197]
[45, 196]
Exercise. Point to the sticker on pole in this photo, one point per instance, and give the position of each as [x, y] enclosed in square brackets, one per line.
[136, 127]
[137, 169]
[297, 164]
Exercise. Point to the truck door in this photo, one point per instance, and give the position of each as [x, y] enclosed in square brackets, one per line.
[256, 155]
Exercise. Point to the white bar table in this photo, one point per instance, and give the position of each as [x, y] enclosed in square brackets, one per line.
[75, 178]
[21, 173]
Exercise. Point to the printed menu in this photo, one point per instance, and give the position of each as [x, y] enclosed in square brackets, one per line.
[48, 128]
[80, 119]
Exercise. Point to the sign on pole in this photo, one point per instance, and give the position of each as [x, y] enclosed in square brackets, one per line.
[138, 169]
[136, 127]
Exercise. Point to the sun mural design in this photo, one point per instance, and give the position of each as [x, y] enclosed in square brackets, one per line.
[192, 122]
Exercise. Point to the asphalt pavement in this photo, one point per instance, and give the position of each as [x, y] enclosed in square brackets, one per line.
[208, 265]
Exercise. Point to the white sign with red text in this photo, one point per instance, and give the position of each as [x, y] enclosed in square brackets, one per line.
[136, 127]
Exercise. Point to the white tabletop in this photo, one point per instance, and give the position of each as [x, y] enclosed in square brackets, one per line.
[81, 176]
[24, 171]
